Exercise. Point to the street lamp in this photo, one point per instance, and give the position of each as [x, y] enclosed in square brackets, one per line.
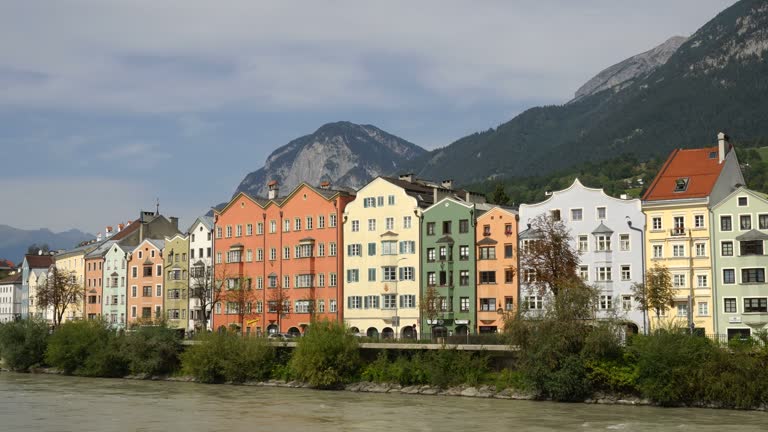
[642, 252]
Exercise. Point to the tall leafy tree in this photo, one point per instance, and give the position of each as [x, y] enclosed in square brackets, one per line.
[657, 293]
[60, 291]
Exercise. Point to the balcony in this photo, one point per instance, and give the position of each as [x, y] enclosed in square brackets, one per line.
[677, 232]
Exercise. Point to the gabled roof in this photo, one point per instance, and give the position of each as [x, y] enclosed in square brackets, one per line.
[697, 168]
[39, 261]
[487, 241]
[445, 239]
[529, 233]
[752, 235]
[602, 229]
[133, 226]
[11, 279]
[207, 222]
[742, 190]
[101, 249]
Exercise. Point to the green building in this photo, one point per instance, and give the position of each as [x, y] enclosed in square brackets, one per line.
[176, 265]
[739, 232]
[448, 289]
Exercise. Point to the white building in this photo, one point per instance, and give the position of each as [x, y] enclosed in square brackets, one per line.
[10, 297]
[611, 248]
[200, 265]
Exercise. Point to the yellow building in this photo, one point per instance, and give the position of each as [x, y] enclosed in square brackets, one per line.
[73, 261]
[677, 232]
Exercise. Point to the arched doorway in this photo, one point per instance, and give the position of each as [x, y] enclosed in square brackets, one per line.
[439, 332]
[462, 330]
[408, 332]
[294, 332]
[632, 328]
[272, 329]
[387, 333]
[354, 330]
[372, 333]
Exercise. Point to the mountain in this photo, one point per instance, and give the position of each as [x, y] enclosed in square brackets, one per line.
[623, 73]
[14, 241]
[343, 153]
[717, 80]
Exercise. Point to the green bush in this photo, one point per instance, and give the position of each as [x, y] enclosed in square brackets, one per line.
[509, 378]
[327, 356]
[204, 359]
[441, 368]
[153, 350]
[735, 379]
[88, 348]
[613, 375]
[23, 344]
[228, 357]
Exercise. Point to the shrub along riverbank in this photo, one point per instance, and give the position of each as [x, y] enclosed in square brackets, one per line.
[557, 361]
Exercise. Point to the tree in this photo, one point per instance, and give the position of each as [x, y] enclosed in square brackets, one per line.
[551, 255]
[429, 305]
[35, 249]
[60, 291]
[277, 299]
[237, 294]
[204, 288]
[499, 195]
[657, 294]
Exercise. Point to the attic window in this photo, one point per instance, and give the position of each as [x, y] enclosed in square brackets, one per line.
[681, 184]
[713, 155]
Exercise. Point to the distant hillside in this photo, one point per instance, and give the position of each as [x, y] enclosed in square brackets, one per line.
[717, 80]
[342, 153]
[14, 242]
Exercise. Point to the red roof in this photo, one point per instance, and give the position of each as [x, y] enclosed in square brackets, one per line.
[701, 168]
[125, 231]
[39, 261]
[4, 263]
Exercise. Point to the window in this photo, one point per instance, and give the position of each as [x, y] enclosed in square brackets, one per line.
[380, 201]
[487, 277]
[407, 301]
[355, 226]
[703, 308]
[755, 304]
[464, 304]
[304, 281]
[332, 280]
[321, 249]
[446, 227]
[321, 306]
[603, 274]
[584, 272]
[233, 256]
[371, 224]
[272, 254]
[682, 309]
[369, 202]
[147, 271]
[624, 242]
[487, 252]
[508, 303]
[332, 249]
[332, 305]
[133, 290]
[260, 228]
[309, 223]
[681, 184]
[509, 275]
[698, 221]
[408, 247]
[389, 301]
[321, 279]
[372, 249]
[701, 281]
[555, 214]
[354, 250]
[332, 224]
[745, 222]
[762, 221]
[752, 275]
[604, 242]
[286, 252]
[389, 223]
[726, 248]
[626, 273]
[753, 247]
[272, 226]
[463, 226]
[463, 253]
[286, 225]
[353, 275]
[430, 228]
[729, 305]
[134, 272]
[388, 248]
[487, 304]
[390, 273]
[371, 302]
[701, 249]
[431, 254]
[406, 273]
[391, 200]
[626, 302]
[354, 302]
[321, 224]
[529, 275]
[534, 302]
[678, 250]
[147, 291]
[464, 277]
[678, 281]
[486, 230]
[729, 276]
[431, 279]
[658, 251]
[583, 243]
[508, 251]
[259, 254]
[606, 302]
[218, 232]
[576, 214]
[601, 212]
[239, 231]
[742, 201]
[656, 223]
[406, 222]
[678, 225]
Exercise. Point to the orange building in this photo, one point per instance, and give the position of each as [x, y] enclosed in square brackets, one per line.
[145, 282]
[94, 271]
[496, 268]
[279, 260]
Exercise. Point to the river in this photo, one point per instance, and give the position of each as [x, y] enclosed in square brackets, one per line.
[56, 403]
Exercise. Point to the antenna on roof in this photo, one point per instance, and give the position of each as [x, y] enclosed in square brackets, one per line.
[157, 206]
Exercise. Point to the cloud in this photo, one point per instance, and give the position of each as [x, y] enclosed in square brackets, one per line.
[183, 56]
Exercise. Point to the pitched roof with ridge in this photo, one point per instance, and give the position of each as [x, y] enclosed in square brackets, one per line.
[39, 261]
[698, 168]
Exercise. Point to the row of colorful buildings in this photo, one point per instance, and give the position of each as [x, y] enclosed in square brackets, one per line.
[404, 255]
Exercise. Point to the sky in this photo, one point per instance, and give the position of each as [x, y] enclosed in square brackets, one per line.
[108, 105]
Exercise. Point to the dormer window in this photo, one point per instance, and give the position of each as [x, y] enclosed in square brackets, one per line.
[681, 184]
[743, 201]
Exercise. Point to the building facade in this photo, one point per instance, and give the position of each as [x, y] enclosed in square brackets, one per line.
[176, 270]
[739, 231]
[31, 269]
[94, 280]
[497, 281]
[145, 282]
[10, 297]
[677, 209]
[610, 251]
[114, 292]
[200, 271]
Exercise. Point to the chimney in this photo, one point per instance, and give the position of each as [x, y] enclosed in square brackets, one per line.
[98, 237]
[325, 185]
[448, 184]
[119, 227]
[175, 222]
[722, 146]
[272, 185]
[407, 177]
